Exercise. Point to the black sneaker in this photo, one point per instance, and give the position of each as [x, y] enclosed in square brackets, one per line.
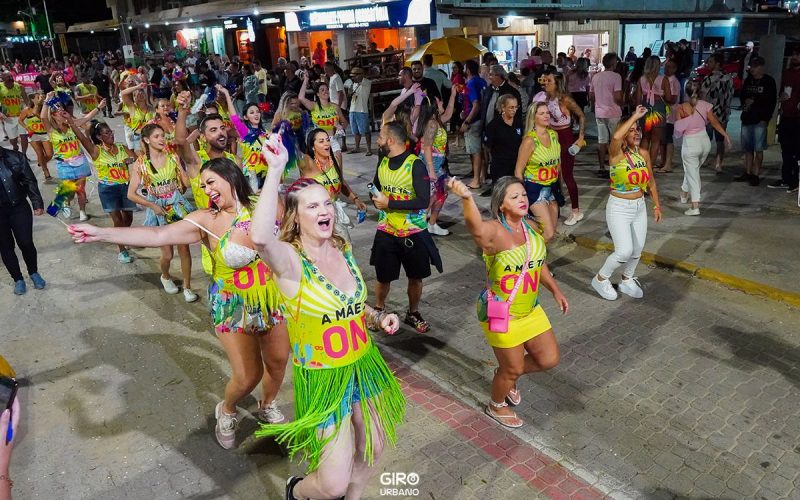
[290, 484]
[742, 178]
[754, 180]
[778, 185]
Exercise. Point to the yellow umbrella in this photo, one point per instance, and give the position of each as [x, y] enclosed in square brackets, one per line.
[448, 49]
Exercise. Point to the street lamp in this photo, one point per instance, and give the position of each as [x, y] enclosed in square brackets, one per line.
[33, 30]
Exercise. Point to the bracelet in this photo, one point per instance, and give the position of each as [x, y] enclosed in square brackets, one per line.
[6, 478]
[657, 208]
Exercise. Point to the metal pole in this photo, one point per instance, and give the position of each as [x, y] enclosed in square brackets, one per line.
[49, 31]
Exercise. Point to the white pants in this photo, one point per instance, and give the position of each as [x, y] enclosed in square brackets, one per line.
[627, 223]
[694, 151]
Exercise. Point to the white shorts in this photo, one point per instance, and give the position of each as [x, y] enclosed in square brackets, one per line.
[38, 138]
[13, 128]
[605, 129]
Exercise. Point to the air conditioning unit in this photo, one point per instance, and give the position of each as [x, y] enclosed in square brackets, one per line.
[503, 22]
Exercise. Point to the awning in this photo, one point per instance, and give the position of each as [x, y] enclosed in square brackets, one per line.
[107, 25]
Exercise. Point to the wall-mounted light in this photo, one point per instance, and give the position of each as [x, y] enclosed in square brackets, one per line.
[255, 12]
[146, 25]
[166, 23]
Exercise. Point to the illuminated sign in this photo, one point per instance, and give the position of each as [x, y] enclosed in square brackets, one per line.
[385, 15]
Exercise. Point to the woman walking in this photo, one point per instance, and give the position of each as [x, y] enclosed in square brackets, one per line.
[319, 164]
[563, 110]
[432, 130]
[347, 401]
[578, 82]
[538, 163]
[31, 121]
[515, 325]
[654, 93]
[163, 179]
[246, 315]
[111, 160]
[693, 116]
[626, 213]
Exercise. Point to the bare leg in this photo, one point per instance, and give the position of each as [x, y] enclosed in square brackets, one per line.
[381, 292]
[357, 140]
[414, 294]
[670, 152]
[24, 140]
[332, 478]
[116, 218]
[362, 471]
[246, 367]
[748, 163]
[164, 262]
[274, 353]
[758, 160]
[543, 213]
[81, 194]
[186, 265]
[602, 151]
[368, 137]
[14, 144]
[477, 159]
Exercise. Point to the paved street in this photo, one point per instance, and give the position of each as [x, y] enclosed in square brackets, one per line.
[693, 391]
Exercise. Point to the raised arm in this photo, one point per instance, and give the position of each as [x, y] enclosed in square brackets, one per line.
[45, 114]
[301, 96]
[88, 145]
[185, 149]
[448, 112]
[83, 120]
[127, 94]
[483, 232]
[388, 115]
[280, 256]
[525, 151]
[615, 148]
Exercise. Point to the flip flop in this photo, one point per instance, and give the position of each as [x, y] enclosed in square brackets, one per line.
[503, 419]
[662, 171]
[369, 153]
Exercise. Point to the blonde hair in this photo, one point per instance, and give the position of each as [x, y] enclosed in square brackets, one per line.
[651, 67]
[290, 229]
[530, 118]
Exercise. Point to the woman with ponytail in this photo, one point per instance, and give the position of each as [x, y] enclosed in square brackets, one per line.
[160, 173]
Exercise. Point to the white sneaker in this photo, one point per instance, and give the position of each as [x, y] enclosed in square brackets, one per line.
[631, 287]
[189, 295]
[83, 216]
[225, 430]
[436, 230]
[573, 218]
[169, 286]
[604, 288]
[124, 257]
[692, 211]
[270, 413]
[684, 198]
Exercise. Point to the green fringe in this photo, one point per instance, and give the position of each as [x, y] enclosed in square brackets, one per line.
[318, 394]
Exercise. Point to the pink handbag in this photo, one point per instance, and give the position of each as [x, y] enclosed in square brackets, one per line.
[497, 311]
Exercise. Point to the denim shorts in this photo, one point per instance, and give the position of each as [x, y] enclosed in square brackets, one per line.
[538, 193]
[754, 137]
[69, 172]
[114, 197]
[359, 123]
[472, 138]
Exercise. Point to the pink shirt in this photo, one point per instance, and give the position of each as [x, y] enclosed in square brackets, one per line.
[604, 84]
[675, 90]
[577, 84]
[694, 123]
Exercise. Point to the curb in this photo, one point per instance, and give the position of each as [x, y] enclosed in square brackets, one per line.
[741, 284]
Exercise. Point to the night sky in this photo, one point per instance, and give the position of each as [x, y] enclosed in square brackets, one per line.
[60, 10]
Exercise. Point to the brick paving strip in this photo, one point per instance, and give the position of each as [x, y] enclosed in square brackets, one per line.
[534, 467]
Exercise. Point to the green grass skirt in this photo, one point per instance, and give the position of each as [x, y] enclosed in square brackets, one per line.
[318, 395]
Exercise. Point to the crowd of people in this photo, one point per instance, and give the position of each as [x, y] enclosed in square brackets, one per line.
[259, 184]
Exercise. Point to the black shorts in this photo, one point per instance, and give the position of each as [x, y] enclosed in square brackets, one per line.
[390, 252]
[714, 135]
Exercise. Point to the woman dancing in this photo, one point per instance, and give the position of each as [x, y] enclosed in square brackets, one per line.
[251, 140]
[160, 173]
[165, 118]
[245, 312]
[521, 337]
[324, 114]
[433, 132]
[347, 401]
[137, 113]
[626, 213]
[538, 165]
[30, 119]
[319, 164]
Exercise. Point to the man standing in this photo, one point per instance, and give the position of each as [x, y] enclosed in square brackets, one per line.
[330, 55]
[359, 109]
[337, 95]
[12, 98]
[17, 186]
[261, 75]
[471, 126]
[402, 238]
[498, 85]
[426, 84]
[606, 93]
[630, 57]
[789, 128]
[545, 67]
[438, 76]
[758, 96]
[717, 88]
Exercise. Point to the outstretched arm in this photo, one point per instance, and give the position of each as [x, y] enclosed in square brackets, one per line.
[309, 105]
[177, 233]
[483, 233]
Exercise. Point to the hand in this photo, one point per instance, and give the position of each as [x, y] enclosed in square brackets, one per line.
[459, 188]
[275, 153]
[158, 210]
[222, 90]
[102, 104]
[581, 141]
[463, 128]
[561, 301]
[141, 86]
[84, 233]
[390, 323]
[183, 100]
[360, 205]
[657, 214]
[38, 211]
[728, 143]
[12, 417]
[381, 202]
[639, 112]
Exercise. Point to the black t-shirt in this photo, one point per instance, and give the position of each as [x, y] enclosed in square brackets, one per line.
[504, 141]
[44, 83]
[763, 92]
[430, 88]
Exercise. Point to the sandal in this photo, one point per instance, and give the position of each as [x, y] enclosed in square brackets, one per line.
[514, 397]
[415, 320]
[662, 170]
[369, 153]
[504, 420]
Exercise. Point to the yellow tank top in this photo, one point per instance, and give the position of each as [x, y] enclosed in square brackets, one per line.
[325, 118]
[440, 142]
[163, 182]
[66, 147]
[90, 103]
[330, 180]
[200, 198]
[399, 185]
[630, 174]
[136, 118]
[296, 119]
[34, 125]
[11, 99]
[504, 269]
[327, 328]
[252, 159]
[542, 167]
[111, 168]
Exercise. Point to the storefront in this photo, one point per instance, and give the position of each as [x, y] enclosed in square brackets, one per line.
[397, 25]
[704, 36]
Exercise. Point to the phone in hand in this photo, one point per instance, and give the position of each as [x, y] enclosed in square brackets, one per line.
[8, 391]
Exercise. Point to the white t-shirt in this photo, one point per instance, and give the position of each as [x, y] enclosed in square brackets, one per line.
[334, 86]
[359, 103]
